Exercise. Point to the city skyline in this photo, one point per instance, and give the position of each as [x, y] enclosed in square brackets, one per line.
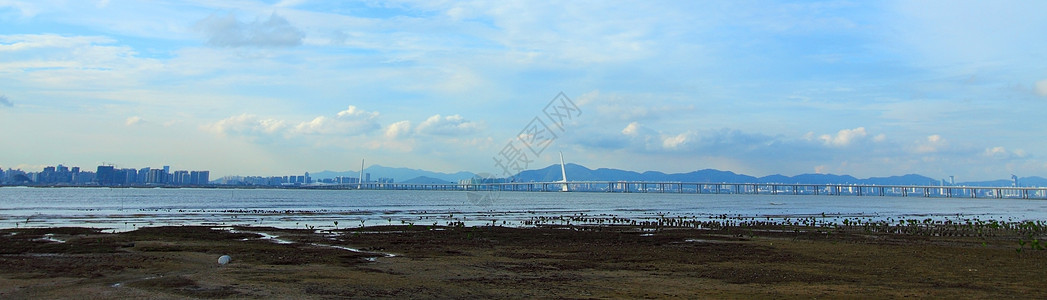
[110, 175]
[940, 88]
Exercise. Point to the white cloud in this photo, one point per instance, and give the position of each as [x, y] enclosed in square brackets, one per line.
[676, 141]
[245, 124]
[398, 129]
[356, 113]
[22, 42]
[587, 98]
[996, 152]
[63, 63]
[637, 107]
[227, 31]
[844, 137]
[134, 120]
[318, 125]
[880, 138]
[933, 143]
[1001, 153]
[26, 9]
[1041, 87]
[584, 33]
[411, 54]
[631, 129]
[352, 121]
[820, 169]
[449, 125]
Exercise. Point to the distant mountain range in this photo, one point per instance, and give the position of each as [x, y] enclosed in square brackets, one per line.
[581, 173]
[398, 175]
[577, 172]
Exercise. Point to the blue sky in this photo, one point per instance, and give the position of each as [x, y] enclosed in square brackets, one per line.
[870, 88]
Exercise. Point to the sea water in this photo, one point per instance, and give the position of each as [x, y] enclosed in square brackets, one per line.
[123, 209]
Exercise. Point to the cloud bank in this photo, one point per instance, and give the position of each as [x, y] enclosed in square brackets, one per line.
[352, 121]
[449, 125]
[227, 31]
[938, 87]
[245, 125]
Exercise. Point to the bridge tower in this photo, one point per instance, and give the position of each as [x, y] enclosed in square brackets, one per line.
[563, 172]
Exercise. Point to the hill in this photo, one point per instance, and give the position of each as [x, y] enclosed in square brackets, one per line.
[397, 174]
[581, 173]
[576, 172]
[427, 180]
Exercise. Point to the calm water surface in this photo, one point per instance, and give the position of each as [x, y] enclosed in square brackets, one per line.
[126, 209]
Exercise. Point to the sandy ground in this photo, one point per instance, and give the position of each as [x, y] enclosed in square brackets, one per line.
[496, 262]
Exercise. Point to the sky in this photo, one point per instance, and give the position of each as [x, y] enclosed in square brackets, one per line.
[864, 88]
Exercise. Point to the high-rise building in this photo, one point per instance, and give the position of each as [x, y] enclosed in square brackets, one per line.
[142, 173]
[156, 176]
[346, 179]
[82, 178]
[199, 177]
[14, 176]
[130, 176]
[180, 178]
[105, 175]
[48, 175]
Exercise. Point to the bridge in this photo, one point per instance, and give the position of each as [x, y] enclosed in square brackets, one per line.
[716, 188]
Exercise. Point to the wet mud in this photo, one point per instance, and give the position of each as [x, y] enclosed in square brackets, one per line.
[503, 262]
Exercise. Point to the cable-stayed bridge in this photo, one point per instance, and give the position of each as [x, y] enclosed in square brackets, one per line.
[938, 191]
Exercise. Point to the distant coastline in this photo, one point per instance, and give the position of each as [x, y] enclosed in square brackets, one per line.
[62, 176]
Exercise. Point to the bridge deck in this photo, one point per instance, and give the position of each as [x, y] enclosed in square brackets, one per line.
[719, 188]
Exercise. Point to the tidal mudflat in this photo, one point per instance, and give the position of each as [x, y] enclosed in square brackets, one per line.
[666, 260]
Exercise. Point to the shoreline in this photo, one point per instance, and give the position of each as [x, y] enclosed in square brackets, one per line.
[920, 224]
[563, 261]
[124, 209]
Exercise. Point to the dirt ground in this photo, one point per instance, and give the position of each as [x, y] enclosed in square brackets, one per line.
[499, 262]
